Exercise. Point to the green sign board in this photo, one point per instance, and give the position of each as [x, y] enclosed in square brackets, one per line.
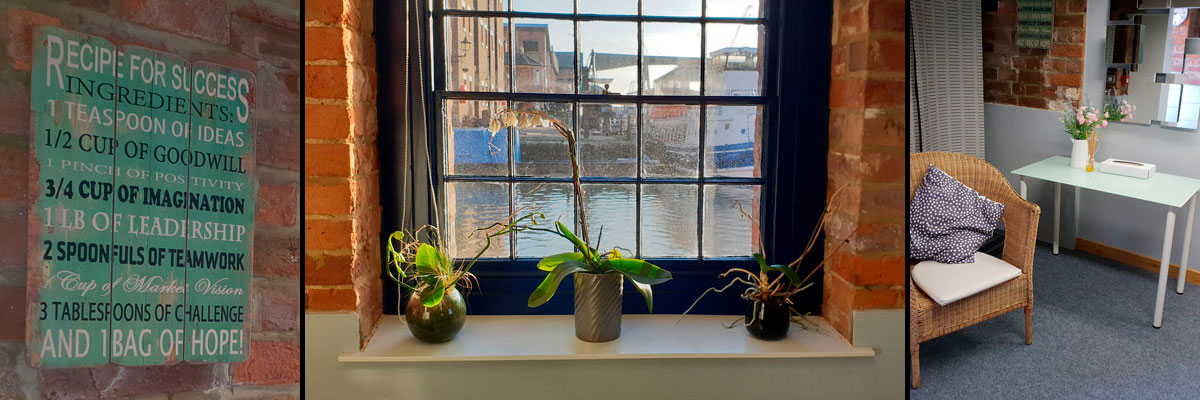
[1035, 23]
[145, 206]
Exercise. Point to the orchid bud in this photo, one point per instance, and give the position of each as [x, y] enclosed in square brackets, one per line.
[510, 118]
[494, 126]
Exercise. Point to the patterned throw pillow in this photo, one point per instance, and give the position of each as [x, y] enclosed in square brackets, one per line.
[948, 221]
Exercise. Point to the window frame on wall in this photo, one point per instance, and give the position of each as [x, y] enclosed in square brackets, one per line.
[506, 282]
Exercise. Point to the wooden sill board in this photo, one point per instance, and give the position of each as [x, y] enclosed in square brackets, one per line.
[552, 337]
[1131, 258]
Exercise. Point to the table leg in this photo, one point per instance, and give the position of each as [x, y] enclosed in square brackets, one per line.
[1057, 207]
[1023, 188]
[1187, 244]
[1164, 266]
[1078, 195]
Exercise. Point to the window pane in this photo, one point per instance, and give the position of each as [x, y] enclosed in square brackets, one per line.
[671, 8]
[479, 5]
[474, 205]
[556, 201]
[733, 67]
[476, 54]
[734, 8]
[547, 6]
[544, 60]
[621, 7]
[608, 57]
[542, 151]
[732, 145]
[668, 220]
[726, 231]
[670, 140]
[608, 140]
[671, 58]
[470, 148]
[611, 209]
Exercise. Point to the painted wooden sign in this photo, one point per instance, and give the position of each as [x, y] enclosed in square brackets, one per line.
[1035, 23]
[144, 217]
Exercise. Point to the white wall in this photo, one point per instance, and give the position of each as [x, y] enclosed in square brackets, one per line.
[1017, 136]
[880, 377]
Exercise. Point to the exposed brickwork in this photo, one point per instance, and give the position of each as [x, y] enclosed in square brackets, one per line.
[342, 213]
[1036, 78]
[261, 36]
[866, 161]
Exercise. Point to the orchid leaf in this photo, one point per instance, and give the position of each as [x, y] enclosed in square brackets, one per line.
[791, 273]
[432, 295]
[762, 262]
[583, 248]
[638, 270]
[548, 263]
[644, 289]
[549, 286]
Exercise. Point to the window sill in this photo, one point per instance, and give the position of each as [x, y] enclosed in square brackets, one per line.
[552, 337]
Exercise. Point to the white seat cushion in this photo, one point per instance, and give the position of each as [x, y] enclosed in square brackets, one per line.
[948, 283]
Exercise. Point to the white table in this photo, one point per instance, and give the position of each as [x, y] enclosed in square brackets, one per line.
[1172, 191]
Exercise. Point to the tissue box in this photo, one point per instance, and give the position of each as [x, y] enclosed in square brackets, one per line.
[1127, 168]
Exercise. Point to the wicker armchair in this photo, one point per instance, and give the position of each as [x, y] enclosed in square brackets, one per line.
[927, 319]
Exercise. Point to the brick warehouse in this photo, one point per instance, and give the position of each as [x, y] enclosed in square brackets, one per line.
[260, 36]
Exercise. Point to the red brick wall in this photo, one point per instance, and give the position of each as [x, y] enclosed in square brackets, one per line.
[341, 183]
[1036, 78]
[867, 160]
[261, 36]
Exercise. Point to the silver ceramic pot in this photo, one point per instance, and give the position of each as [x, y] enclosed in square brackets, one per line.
[598, 306]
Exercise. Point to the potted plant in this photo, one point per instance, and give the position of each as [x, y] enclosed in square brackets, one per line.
[768, 291]
[1081, 123]
[598, 275]
[436, 309]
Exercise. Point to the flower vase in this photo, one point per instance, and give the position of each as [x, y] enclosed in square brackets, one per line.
[439, 323]
[1079, 153]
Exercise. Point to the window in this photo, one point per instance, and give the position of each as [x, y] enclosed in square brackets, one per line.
[672, 105]
[530, 46]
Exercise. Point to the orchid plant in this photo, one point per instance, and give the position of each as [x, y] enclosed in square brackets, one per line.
[768, 285]
[585, 257]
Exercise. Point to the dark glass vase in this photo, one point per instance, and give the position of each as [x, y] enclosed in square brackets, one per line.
[439, 323]
[767, 321]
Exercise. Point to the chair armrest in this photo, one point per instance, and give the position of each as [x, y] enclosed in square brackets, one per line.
[1020, 232]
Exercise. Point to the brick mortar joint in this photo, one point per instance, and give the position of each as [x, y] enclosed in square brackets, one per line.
[853, 285]
[357, 140]
[328, 62]
[327, 101]
[307, 286]
[329, 217]
[339, 25]
[321, 254]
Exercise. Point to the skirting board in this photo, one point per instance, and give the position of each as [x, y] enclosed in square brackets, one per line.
[1134, 259]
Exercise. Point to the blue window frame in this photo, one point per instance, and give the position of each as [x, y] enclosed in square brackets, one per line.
[476, 70]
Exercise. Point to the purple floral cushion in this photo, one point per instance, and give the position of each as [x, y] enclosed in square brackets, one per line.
[948, 221]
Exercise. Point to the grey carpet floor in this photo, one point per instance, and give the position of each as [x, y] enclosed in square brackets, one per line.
[1092, 339]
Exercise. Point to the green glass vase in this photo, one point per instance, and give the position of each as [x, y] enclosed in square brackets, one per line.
[437, 324]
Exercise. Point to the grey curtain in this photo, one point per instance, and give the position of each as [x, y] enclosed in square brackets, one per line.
[946, 76]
